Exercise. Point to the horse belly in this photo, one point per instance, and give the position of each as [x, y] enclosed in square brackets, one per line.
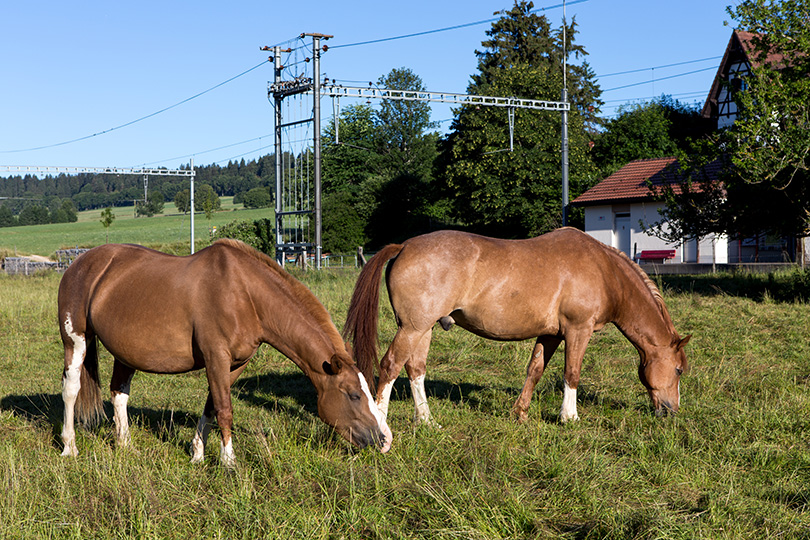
[507, 321]
[151, 349]
[145, 332]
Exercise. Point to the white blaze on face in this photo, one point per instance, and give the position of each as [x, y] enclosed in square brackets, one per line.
[378, 414]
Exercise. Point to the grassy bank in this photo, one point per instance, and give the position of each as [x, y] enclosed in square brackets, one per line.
[169, 228]
[733, 464]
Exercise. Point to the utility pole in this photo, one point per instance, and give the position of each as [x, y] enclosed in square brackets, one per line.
[277, 106]
[191, 204]
[316, 115]
[564, 164]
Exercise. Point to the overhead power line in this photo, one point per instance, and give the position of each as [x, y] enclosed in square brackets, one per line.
[639, 70]
[445, 29]
[195, 96]
[659, 79]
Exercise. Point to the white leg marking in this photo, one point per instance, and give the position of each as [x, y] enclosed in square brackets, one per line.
[386, 431]
[385, 398]
[120, 416]
[200, 437]
[71, 382]
[569, 406]
[226, 455]
[421, 413]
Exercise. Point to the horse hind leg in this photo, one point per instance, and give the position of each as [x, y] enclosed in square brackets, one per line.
[75, 346]
[119, 392]
[408, 349]
[544, 348]
[416, 367]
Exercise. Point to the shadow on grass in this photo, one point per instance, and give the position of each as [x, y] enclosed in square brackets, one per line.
[290, 394]
[786, 286]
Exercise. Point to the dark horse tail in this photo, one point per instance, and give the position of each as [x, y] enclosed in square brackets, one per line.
[361, 322]
[89, 406]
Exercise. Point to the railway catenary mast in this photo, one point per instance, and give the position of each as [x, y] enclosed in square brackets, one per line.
[280, 89]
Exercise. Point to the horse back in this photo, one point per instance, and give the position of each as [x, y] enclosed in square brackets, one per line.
[503, 289]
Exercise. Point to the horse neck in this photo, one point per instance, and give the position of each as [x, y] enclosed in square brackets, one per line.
[304, 332]
[642, 316]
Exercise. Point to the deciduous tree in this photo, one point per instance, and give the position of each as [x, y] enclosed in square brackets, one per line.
[517, 192]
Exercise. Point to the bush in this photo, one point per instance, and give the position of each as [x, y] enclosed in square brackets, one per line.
[257, 198]
[258, 233]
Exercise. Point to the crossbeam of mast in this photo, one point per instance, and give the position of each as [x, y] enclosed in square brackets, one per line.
[442, 97]
[190, 173]
[95, 170]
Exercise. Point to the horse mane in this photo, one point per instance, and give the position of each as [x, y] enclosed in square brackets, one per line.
[303, 296]
[651, 286]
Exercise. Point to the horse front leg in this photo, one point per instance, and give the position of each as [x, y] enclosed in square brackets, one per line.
[119, 393]
[218, 405]
[544, 348]
[202, 431]
[575, 344]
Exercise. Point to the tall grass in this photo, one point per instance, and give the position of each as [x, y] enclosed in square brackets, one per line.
[734, 463]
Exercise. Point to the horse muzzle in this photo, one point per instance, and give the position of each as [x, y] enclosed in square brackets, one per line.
[665, 408]
[372, 437]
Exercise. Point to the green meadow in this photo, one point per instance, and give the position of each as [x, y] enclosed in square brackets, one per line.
[168, 229]
[734, 463]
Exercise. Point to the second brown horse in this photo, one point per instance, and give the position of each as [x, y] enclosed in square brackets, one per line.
[561, 286]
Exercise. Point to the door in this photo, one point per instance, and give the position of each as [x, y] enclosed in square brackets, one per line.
[621, 233]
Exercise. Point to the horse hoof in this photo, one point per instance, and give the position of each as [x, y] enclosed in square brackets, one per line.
[521, 417]
[429, 422]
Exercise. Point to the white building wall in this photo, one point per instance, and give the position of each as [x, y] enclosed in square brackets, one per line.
[600, 223]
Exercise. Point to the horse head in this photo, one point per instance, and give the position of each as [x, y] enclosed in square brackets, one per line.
[345, 403]
[660, 372]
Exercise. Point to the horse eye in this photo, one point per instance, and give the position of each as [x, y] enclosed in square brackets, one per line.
[354, 396]
[680, 371]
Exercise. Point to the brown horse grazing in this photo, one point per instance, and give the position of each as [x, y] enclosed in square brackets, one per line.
[563, 285]
[164, 314]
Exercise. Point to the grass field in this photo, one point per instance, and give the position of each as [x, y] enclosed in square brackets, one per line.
[734, 463]
[170, 228]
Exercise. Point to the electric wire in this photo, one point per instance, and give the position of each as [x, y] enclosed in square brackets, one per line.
[195, 96]
[445, 29]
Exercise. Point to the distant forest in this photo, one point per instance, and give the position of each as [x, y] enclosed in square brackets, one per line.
[92, 191]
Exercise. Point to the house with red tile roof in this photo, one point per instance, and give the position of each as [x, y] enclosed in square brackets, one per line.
[620, 209]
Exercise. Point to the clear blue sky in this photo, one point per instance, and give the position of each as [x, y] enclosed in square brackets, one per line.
[70, 70]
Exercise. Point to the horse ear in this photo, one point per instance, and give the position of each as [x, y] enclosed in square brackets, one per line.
[682, 343]
[334, 366]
